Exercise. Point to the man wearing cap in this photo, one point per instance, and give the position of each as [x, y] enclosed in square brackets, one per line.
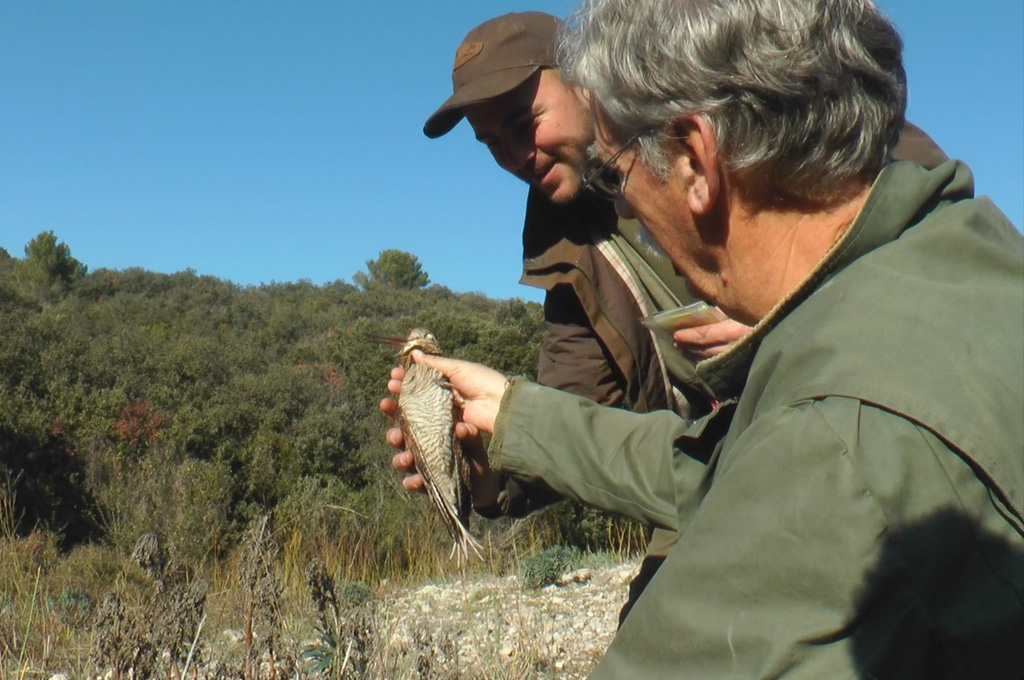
[602, 274]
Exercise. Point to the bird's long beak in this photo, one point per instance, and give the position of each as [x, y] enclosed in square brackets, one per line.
[388, 340]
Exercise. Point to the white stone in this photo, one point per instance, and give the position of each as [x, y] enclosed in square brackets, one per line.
[232, 635]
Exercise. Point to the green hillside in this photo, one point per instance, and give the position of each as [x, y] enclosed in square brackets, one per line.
[188, 406]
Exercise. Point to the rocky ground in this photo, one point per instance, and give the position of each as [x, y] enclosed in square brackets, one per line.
[490, 628]
[483, 627]
[559, 631]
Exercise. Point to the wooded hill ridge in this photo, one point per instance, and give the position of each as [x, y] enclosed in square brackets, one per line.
[188, 406]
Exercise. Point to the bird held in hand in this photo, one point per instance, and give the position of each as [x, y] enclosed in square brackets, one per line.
[428, 409]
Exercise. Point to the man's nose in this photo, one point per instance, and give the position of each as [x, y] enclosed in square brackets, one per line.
[517, 155]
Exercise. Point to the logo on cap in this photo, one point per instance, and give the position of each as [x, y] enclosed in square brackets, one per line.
[466, 52]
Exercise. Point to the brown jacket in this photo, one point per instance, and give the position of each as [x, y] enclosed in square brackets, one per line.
[593, 267]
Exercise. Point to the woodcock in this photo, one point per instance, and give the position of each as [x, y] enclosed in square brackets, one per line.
[428, 409]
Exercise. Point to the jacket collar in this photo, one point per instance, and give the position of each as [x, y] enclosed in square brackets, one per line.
[903, 193]
[555, 234]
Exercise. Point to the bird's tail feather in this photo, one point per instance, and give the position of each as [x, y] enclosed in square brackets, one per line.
[464, 542]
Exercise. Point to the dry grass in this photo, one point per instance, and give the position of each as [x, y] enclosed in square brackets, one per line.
[299, 600]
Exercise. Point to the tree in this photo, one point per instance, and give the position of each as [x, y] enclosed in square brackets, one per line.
[394, 270]
[7, 291]
[6, 261]
[48, 269]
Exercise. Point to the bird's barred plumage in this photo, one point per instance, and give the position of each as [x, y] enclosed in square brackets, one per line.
[427, 413]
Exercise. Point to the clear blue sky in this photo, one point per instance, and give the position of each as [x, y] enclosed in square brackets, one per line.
[276, 141]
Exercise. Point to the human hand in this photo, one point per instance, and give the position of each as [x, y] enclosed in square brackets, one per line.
[480, 387]
[403, 461]
[485, 484]
[702, 342]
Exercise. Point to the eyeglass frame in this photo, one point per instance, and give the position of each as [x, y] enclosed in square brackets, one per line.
[592, 178]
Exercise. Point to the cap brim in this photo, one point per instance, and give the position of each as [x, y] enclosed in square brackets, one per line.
[493, 85]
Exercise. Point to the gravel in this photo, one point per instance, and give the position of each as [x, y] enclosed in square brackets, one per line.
[494, 625]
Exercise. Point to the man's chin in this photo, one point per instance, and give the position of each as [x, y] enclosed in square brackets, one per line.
[561, 192]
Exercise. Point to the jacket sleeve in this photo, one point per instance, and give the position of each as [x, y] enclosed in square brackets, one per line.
[837, 540]
[572, 360]
[589, 452]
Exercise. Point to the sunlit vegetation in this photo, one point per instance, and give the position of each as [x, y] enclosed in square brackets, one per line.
[189, 409]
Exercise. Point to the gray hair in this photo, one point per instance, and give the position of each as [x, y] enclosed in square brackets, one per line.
[804, 97]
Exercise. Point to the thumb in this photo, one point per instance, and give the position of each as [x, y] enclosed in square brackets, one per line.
[443, 365]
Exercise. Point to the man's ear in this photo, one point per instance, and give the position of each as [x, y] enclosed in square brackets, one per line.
[698, 156]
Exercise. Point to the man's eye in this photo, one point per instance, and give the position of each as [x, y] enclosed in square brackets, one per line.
[600, 170]
[523, 124]
[610, 175]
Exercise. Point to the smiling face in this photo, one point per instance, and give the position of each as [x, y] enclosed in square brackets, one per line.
[539, 132]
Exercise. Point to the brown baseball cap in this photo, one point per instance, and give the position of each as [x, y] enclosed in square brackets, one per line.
[495, 58]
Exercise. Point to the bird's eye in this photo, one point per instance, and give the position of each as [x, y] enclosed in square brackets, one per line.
[430, 336]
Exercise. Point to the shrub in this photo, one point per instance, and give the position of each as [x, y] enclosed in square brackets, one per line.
[72, 606]
[544, 567]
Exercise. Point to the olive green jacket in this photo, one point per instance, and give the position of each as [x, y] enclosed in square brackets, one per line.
[854, 508]
[601, 276]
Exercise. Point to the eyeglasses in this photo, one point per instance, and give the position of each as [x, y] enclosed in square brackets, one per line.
[603, 179]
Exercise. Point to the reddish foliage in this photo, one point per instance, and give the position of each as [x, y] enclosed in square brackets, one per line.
[57, 427]
[333, 378]
[139, 423]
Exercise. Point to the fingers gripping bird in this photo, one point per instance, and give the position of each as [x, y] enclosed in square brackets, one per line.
[428, 409]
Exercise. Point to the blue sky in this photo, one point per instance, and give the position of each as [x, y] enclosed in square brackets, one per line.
[277, 141]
